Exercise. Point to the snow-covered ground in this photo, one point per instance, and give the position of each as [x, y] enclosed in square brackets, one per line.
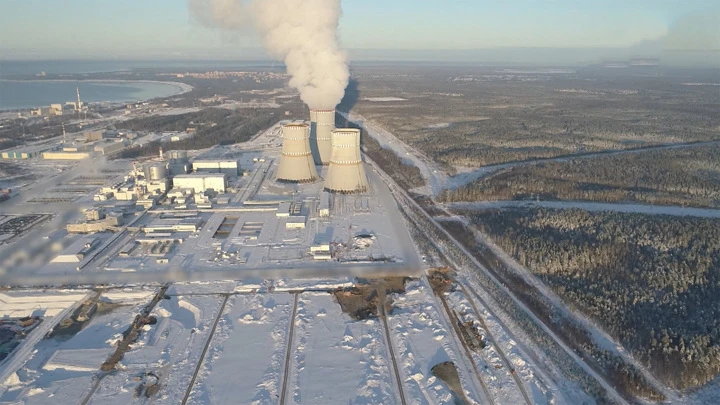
[422, 341]
[171, 349]
[593, 206]
[383, 99]
[249, 345]
[337, 360]
[495, 372]
[60, 370]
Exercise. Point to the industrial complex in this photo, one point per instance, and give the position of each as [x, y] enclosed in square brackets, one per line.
[261, 206]
[279, 258]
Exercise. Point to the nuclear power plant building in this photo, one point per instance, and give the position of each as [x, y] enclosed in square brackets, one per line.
[296, 161]
[346, 173]
[322, 125]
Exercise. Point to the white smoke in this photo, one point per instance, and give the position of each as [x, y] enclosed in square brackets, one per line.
[301, 33]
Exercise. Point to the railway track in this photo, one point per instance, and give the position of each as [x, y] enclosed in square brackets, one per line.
[288, 353]
[490, 337]
[391, 350]
[466, 349]
[205, 349]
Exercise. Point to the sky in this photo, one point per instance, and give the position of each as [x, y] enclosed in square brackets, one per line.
[32, 29]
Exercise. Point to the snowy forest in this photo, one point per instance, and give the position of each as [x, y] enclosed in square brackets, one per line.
[652, 282]
[688, 177]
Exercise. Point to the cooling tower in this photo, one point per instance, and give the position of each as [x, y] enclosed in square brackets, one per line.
[322, 125]
[346, 173]
[296, 162]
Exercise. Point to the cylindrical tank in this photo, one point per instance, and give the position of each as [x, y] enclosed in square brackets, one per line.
[296, 161]
[322, 124]
[346, 173]
[155, 172]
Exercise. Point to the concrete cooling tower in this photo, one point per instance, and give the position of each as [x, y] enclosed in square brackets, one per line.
[322, 125]
[346, 173]
[296, 162]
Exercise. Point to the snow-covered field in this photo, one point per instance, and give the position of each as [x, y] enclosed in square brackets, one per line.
[337, 360]
[384, 99]
[61, 370]
[171, 349]
[422, 341]
[249, 345]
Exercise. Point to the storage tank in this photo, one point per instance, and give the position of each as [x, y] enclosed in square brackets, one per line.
[322, 124]
[346, 173]
[155, 172]
[296, 162]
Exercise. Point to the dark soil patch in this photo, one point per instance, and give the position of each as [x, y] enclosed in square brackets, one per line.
[362, 300]
[447, 372]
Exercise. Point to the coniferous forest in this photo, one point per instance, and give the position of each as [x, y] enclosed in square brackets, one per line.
[652, 282]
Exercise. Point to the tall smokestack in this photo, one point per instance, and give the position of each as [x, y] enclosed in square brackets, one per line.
[346, 173]
[322, 125]
[296, 162]
[301, 33]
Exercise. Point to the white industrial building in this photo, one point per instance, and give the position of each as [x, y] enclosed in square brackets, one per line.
[110, 147]
[296, 162]
[166, 225]
[346, 173]
[322, 124]
[231, 167]
[201, 182]
[76, 252]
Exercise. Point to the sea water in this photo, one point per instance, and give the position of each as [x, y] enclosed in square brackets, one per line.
[23, 94]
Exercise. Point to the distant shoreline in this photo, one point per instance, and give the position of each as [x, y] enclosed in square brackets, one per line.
[181, 88]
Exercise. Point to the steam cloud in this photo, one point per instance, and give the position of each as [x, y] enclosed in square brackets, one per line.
[301, 33]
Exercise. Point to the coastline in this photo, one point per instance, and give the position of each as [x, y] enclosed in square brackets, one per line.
[181, 88]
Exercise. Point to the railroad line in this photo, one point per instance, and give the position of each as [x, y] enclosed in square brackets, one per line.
[490, 337]
[466, 349]
[205, 349]
[288, 353]
[391, 350]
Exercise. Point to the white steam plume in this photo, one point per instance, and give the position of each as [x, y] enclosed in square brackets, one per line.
[301, 33]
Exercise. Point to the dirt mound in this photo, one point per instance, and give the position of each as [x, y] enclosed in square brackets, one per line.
[363, 300]
[447, 373]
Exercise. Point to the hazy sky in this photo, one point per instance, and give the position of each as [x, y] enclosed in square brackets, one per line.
[164, 28]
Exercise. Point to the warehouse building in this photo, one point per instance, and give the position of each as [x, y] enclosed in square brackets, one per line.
[231, 167]
[202, 182]
[29, 152]
[107, 148]
[65, 155]
[76, 252]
